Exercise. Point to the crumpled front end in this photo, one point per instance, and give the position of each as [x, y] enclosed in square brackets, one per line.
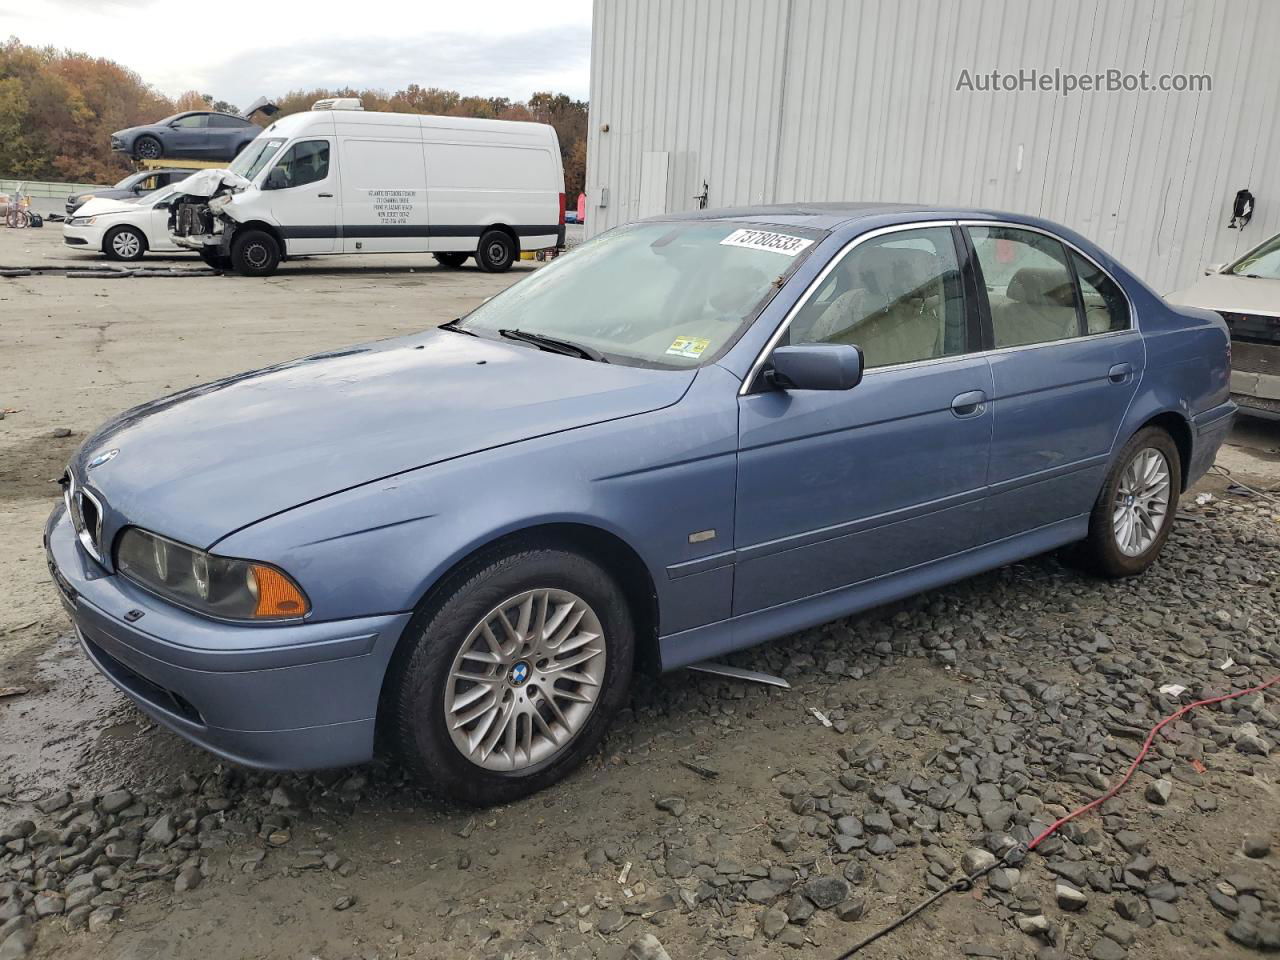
[200, 217]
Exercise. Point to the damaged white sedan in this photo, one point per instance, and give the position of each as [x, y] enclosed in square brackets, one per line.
[337, 180]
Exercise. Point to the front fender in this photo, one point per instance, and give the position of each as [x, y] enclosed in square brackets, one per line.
[650, 480]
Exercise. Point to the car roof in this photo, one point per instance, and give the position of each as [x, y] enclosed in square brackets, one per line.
[829, 216]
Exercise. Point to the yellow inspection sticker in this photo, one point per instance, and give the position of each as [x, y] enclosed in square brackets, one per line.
[691, 347]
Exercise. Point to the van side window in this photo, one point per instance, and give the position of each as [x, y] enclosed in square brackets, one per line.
[305, 162]
[1105, 308]
[1029, 286]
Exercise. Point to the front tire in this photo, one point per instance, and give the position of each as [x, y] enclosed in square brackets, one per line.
[255, 253]
[510, 682]
[147, 148]
[1133, 515]
[497, 251]
[124, 243]
[451, 258]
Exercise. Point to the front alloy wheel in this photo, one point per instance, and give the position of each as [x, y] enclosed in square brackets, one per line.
[507, 680]
[525, 679]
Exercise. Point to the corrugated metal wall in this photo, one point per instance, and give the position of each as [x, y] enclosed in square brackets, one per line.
[776, 100]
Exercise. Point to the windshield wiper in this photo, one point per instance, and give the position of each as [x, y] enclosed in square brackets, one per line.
[452, 327]
[554, 345]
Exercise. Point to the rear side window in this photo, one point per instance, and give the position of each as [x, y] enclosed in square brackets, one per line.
[897, 297]
[1105, 308]
[221, 120]
[305, 162]
[1029, 284]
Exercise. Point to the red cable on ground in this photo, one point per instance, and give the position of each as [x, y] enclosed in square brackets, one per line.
[1146, 747]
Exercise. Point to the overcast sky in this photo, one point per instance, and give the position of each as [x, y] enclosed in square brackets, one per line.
[239, 51]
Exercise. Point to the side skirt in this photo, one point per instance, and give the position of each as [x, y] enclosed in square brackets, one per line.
[736, 633]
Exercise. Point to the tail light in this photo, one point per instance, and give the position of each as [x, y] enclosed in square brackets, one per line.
[562, 208]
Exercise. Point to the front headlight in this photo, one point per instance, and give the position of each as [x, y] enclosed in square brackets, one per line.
[221, 587]
[82, 221]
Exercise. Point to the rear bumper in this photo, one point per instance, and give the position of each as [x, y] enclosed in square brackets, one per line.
[295, 697]
[1210, 429]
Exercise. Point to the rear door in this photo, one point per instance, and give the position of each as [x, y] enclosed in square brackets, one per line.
[302, 185]
[840, 487]
[384, 195]
[1065, 366]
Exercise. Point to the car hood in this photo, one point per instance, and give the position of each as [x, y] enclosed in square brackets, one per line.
[212, 459]
[104, 205]
[1228, 293]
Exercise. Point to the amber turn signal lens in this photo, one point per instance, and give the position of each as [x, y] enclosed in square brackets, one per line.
[278, 596]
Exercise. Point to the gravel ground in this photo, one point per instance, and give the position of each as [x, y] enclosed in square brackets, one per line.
[720, 819]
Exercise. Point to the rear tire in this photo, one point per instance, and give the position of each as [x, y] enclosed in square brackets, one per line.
[426, 700]
[147, 148]
[497, 251]
[255, 253]
[1134, 512]
[451, 259]
[124, 243]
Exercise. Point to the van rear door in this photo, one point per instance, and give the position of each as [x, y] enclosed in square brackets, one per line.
[384, 195]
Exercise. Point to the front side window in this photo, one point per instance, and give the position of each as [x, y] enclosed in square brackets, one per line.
[305, 162]
[1029, 284]
[1105, 308]
[193, 121]
[664, 294]
[897, 297]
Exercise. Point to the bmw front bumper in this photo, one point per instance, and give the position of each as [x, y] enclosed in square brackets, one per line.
[287, 697]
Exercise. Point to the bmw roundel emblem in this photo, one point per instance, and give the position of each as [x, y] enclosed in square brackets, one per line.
[519, 673]
[102, 458]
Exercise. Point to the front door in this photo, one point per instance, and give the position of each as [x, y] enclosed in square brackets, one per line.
[303, 186]
[1066, 366]
[839, 487]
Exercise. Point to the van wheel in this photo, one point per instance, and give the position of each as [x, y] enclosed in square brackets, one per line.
[255, 253]
[451, 259]
[1134, 512]
[496, 252]
[509, 683]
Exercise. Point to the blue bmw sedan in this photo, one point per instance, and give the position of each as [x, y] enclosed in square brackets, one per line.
[688, 436]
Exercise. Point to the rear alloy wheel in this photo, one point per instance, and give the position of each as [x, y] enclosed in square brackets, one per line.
[512, 680]
[497, 251]
[255, 253]
[124, 243]
[451, 259]
[1134, 512]
[147, 148]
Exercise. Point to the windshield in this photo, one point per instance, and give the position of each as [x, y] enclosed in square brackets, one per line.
[127, 182]
[161, 196]
[255, 156]
[669, 294]
[1263, 261]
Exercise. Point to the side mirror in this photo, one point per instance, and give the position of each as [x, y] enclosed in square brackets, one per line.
[1213, 268]
[815, 366]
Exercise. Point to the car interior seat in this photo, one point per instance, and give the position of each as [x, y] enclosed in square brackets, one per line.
[1039, 307]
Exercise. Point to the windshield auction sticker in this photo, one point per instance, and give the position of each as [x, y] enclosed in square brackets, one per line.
[691, 347]
[782, 243]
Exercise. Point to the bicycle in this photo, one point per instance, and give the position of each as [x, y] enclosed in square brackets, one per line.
[18, 216]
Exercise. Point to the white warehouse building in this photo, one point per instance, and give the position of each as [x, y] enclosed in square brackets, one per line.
[733, 102]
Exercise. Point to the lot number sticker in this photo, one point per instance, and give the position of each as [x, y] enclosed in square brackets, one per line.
[782, 243]
[691, 347]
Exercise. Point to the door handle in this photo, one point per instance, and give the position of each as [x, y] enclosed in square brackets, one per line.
[1120, 372]
[969, 404]
[329, 195]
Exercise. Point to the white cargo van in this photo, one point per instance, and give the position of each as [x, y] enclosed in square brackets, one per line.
[339, 180]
